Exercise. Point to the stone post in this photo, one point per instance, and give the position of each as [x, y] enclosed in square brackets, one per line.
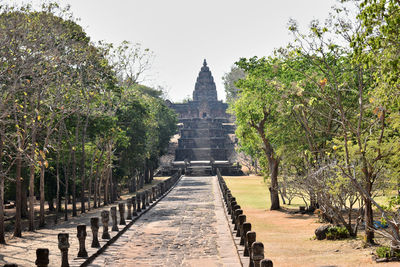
[233, 204]
[94, 225]
[148, 198]
[162, 188]
[249, 240]
[156, 192]
[105, 218]
[242, 219]
[143, 200]
[257, 250]
[134, 213]
[114, 219]
[138, 199]
[237, 213]
[246, 227]
[228, 199]
[42, 257]
[228, 196]
[266, 263]
[82, 237]
[129, 206]
[63, 245]
[121, 207]
[153, 193]
[236, 207]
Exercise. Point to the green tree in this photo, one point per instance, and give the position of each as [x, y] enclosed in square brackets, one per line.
[230, 78]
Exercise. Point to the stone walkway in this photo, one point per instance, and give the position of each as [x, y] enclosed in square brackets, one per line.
[187, 228]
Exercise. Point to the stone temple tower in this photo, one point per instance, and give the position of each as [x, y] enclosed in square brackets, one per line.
[204, 128]
[205, 103]
[205, 89]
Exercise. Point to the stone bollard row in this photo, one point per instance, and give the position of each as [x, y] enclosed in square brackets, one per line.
[94, 225]
[134, 205]
[121, 208]
[252, 249]
[42, 257]
[129, 207]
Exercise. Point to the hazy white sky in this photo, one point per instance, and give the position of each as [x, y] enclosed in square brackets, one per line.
[184, 32]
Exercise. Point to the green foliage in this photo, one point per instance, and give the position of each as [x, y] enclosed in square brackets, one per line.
[230, 79]
[329, 103]
[73, 106]
[383, 252]
[337, 232]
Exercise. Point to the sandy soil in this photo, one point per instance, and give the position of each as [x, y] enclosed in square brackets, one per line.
[288, 241]
[288, 238]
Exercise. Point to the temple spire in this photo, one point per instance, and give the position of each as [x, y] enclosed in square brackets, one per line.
[204, 89]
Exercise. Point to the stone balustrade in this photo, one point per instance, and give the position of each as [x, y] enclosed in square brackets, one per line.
[140, 204]
[252, 249]
[42, 257]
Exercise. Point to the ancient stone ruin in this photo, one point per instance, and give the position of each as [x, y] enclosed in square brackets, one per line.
[206, 130]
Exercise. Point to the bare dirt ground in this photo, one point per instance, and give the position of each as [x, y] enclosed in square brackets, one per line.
[288, 241]
[288, 238]
[50, 216]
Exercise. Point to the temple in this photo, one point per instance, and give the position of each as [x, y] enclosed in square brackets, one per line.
[206, 130]
[205, 103]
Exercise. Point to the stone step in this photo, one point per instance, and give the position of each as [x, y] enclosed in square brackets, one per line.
[200, 154]
[203, 142]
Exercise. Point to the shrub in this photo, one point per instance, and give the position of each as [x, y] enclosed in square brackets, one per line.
[337, 232]
[343, 232]
[383, 252]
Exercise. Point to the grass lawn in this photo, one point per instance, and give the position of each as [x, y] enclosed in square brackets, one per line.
[288, 238]
[252, 192]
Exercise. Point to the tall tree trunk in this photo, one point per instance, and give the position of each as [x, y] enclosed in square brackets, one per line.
[111, 182]
[24, 199]
[42, 221]
[146, 174]
[99, 185]
[274, 190]
[106, 186]
[105, 191]
[17, 226]
[73, 184]
[31, 216]
[96, 189]
[58, 188]
[41, 189]
[369, 216]
[141, 180]
[151, 174]
[2, 177]
[134, 184]
[83, 159]
[90, 179]
[66, 191]
[50, 202]
[74, 168]
[273, 162]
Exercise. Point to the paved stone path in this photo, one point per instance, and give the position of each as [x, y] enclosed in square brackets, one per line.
[187, 228]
